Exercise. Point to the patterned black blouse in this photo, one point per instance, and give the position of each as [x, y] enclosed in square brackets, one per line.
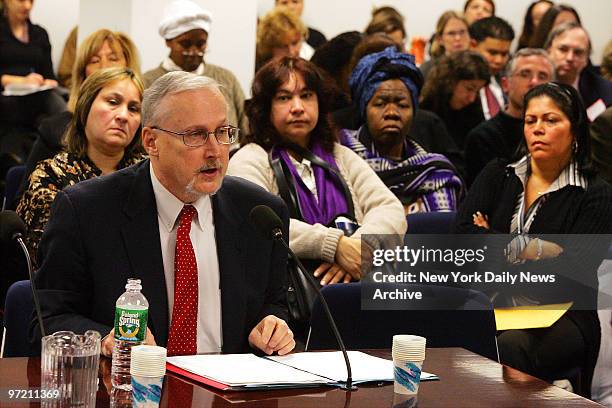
[49, 177]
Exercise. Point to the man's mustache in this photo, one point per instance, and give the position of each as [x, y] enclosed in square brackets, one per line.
[210, 164]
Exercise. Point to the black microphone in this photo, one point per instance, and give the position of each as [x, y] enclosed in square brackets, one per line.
[12, 228]
[270, 225]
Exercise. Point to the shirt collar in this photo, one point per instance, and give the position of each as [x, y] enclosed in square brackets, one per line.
[569, 176]
[169, 207]
[169, 65]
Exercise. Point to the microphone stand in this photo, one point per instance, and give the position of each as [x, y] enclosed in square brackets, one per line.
[277, 235]
[18, 238]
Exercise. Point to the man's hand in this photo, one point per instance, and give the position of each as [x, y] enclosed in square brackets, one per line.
[332, 273]
[272, 334]
[108, 342]
[348, 256]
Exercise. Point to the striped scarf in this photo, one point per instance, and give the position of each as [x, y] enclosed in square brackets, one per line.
[427, 176]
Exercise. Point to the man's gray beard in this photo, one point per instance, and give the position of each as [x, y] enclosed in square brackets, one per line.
[191, 191]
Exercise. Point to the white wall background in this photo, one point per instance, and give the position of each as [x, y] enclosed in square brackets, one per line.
[232, 38]
[231, 42]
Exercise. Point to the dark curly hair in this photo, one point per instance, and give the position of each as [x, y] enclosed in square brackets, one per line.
[266, 83]
[441, 81]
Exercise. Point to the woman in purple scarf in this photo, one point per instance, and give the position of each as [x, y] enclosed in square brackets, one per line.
[292, 151]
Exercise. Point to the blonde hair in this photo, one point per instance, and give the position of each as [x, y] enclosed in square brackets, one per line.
[273, 28]
[75, 139]
[119, 42]
[437, 49]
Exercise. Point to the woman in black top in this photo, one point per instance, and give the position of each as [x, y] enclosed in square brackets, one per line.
[25, 60]
[451, 92]
[549, 189]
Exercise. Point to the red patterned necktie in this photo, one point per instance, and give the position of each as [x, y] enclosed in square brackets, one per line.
[491, 102]
[183, 329]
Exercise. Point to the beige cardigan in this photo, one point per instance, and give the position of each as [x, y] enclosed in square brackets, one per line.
[377, 210]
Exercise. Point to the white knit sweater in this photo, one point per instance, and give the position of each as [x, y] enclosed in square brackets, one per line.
[377, 210]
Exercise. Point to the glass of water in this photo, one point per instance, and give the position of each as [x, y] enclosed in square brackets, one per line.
[69, 369]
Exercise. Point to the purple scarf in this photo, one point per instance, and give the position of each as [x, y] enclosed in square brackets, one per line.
[331, 201]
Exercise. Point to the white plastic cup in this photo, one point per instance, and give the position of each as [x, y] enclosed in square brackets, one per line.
[408, 353]
[147, 368]
[406, 376]
[146, 391]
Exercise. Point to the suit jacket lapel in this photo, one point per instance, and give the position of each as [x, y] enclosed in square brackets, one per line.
[140, 233]
[232, 271]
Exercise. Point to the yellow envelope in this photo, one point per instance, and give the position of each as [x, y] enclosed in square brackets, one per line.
[529, 317]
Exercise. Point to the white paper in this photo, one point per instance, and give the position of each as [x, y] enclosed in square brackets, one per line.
[331, 364]
[596, 109]
[248, 370]
[24, 89]
[243, 370]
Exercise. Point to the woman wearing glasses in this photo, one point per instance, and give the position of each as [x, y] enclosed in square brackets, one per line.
[331, 192]
[548, 188]
[451, 36]
[103, 136]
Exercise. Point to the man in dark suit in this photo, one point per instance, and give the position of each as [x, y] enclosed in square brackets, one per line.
[180, 226]
[569, 46]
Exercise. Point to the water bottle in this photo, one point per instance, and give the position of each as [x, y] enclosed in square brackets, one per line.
[131, 313]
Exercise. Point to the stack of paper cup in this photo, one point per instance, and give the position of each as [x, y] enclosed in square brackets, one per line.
[148, 367]
[408, 355]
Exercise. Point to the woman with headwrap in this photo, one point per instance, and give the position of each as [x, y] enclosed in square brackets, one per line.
[386, 86]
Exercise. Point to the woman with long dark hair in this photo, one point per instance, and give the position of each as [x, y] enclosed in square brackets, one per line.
[548, 188]
[533, 16]
[333, 196]
[451, 89]
[556, 15]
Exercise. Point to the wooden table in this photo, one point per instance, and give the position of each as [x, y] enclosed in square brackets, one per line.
[466, 380]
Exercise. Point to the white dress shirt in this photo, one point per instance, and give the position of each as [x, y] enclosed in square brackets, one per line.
[498, 93]
[306, 172]
[202, 235]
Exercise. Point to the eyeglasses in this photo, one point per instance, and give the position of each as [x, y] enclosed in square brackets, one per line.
[224, 135]
[527, 74]
[458, 33]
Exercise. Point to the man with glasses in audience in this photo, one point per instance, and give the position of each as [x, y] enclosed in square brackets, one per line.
[185, 26]
[499, 136]
[569, 46]
[178, 224]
